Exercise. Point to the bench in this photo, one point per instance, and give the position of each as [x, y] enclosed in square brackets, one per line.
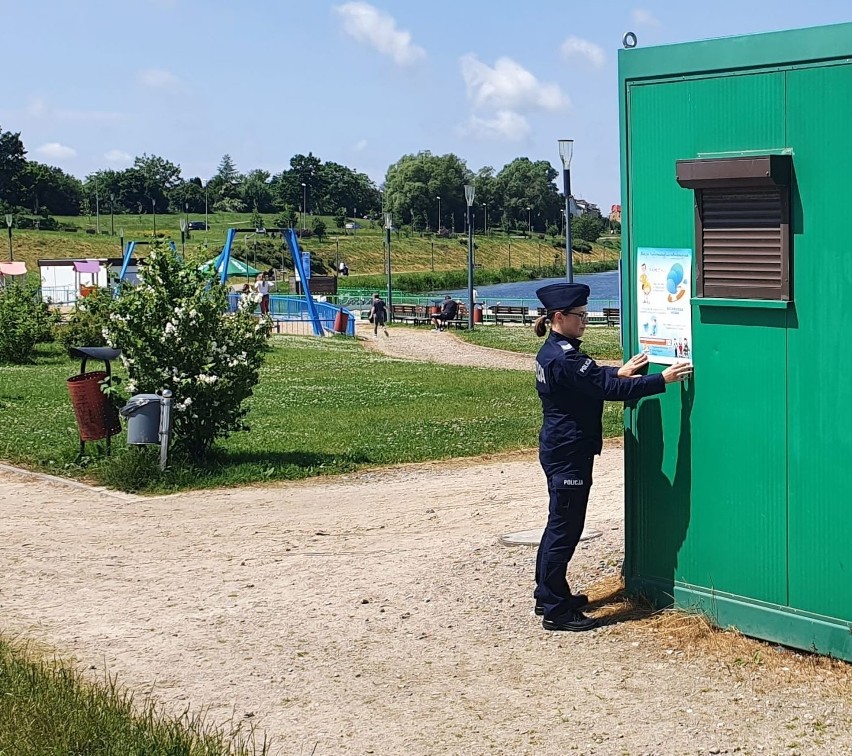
[612, 316]
[403, 313]
[460, 320]
[408, 313]
[511, 313]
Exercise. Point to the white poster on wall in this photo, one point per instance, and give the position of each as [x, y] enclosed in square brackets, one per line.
[664, 312]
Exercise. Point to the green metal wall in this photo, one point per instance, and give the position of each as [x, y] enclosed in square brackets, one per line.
[737, 485]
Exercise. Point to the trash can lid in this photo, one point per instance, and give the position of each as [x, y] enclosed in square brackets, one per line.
[94, 353]
[135, 403]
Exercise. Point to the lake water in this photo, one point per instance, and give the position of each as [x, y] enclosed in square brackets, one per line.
[604, 286]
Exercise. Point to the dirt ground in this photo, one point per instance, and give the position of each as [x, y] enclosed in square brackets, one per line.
[378, 613]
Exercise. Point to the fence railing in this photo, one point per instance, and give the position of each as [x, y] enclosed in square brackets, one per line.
[290, 314]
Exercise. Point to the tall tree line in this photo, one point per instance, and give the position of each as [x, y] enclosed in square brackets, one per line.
[423, 191]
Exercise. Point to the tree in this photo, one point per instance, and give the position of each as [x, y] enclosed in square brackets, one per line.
[225, 182]
[415, 182]
[587, 227]
[524, 183]
[318, 227]
[340, 217]
[12, 165]
[255, 190]
[46, 189]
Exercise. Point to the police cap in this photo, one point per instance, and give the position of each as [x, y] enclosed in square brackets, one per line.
[563, 296]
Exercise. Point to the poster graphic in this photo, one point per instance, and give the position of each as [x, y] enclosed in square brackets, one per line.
[664, 313]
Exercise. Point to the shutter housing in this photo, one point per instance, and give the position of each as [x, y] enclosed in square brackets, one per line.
[742, 225]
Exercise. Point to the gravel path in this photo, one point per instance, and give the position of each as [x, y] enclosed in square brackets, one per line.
[378, 613]
[445, 347]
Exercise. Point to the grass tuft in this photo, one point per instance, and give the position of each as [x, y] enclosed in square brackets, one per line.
[49, 706]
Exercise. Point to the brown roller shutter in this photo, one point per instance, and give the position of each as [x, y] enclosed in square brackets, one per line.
[742, 237]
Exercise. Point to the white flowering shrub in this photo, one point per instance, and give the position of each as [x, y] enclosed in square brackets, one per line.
[174, 333]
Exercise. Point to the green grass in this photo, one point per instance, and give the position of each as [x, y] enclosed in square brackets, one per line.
[49, 707]
[599, 342]
[363, 252]
[323, 406]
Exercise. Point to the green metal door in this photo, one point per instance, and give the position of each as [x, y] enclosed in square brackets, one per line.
[733, 467]
[820, 388]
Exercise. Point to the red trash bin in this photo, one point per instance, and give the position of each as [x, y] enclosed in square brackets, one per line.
[341, 321]
[477, 314]
[96, 416]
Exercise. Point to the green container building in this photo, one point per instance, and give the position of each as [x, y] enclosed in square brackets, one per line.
[736, 161]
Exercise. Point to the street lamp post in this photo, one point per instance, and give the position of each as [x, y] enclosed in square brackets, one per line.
[566, 151]
[439, 213]
[206, 224]
[469, 195]
[186, 217]
[112, 213]
[388, 226]
[154, 215]
[121, 240]
[9, 226]
[485, 224]
[304, 205]
[354, 221]
[183, 225]
[529, 221]
[97, 211]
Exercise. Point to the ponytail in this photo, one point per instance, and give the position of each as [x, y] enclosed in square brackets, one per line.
[540, 325]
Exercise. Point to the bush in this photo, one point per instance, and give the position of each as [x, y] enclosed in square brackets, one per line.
[174, 334]
[581, 246]
[24, 322]
[88, 320]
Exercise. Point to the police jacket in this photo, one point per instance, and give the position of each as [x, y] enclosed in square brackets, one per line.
[572, 389]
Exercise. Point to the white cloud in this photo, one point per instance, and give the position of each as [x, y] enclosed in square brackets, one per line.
[56, 151]
[360, 146]
[575, 46]
[506, 124]
[118, 157]
[508, 86]
[369, 25]
[158, 78]
[645, 18]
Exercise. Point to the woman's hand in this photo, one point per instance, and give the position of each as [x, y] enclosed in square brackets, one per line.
[680, 371]
[633, 365]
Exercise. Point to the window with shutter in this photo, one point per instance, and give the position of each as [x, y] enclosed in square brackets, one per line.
[742, 226]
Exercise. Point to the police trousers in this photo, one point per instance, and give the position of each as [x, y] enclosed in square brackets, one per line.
[569, 498]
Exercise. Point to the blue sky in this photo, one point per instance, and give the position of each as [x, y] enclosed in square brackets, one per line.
[92, 83]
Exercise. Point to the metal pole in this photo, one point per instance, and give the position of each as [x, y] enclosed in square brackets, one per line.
[439, 213]
[433, 257]
[388, 247]
[11, 254]
[154, 215]
[470, 267]
[304, 206]
[165, 427]
[112, 215]
[569, 258]
[97, 211]
[206, 224]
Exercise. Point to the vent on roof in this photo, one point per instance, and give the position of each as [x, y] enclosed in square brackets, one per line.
[742, 226]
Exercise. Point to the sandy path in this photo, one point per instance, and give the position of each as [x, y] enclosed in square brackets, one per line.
[377, 613]
[446, 348]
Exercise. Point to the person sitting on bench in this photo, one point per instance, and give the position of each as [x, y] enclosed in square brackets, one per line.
[448, 312]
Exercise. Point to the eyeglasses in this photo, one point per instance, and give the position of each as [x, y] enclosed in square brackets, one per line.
[584, 316]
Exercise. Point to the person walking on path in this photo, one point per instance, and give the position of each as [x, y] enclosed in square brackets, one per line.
[572, 389]
[378, 315]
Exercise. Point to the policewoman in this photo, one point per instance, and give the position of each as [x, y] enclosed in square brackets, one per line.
[572, 389]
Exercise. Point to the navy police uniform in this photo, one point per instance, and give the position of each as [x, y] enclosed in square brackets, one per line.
[572, 389]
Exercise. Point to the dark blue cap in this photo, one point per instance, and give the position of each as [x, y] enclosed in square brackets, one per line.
[563, 296]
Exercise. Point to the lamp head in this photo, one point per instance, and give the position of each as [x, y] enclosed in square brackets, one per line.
[183, 224]
[469, 194]
[566, 150]
[9, 220]
[388, 220]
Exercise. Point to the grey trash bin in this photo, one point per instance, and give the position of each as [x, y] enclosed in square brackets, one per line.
[143, 419]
